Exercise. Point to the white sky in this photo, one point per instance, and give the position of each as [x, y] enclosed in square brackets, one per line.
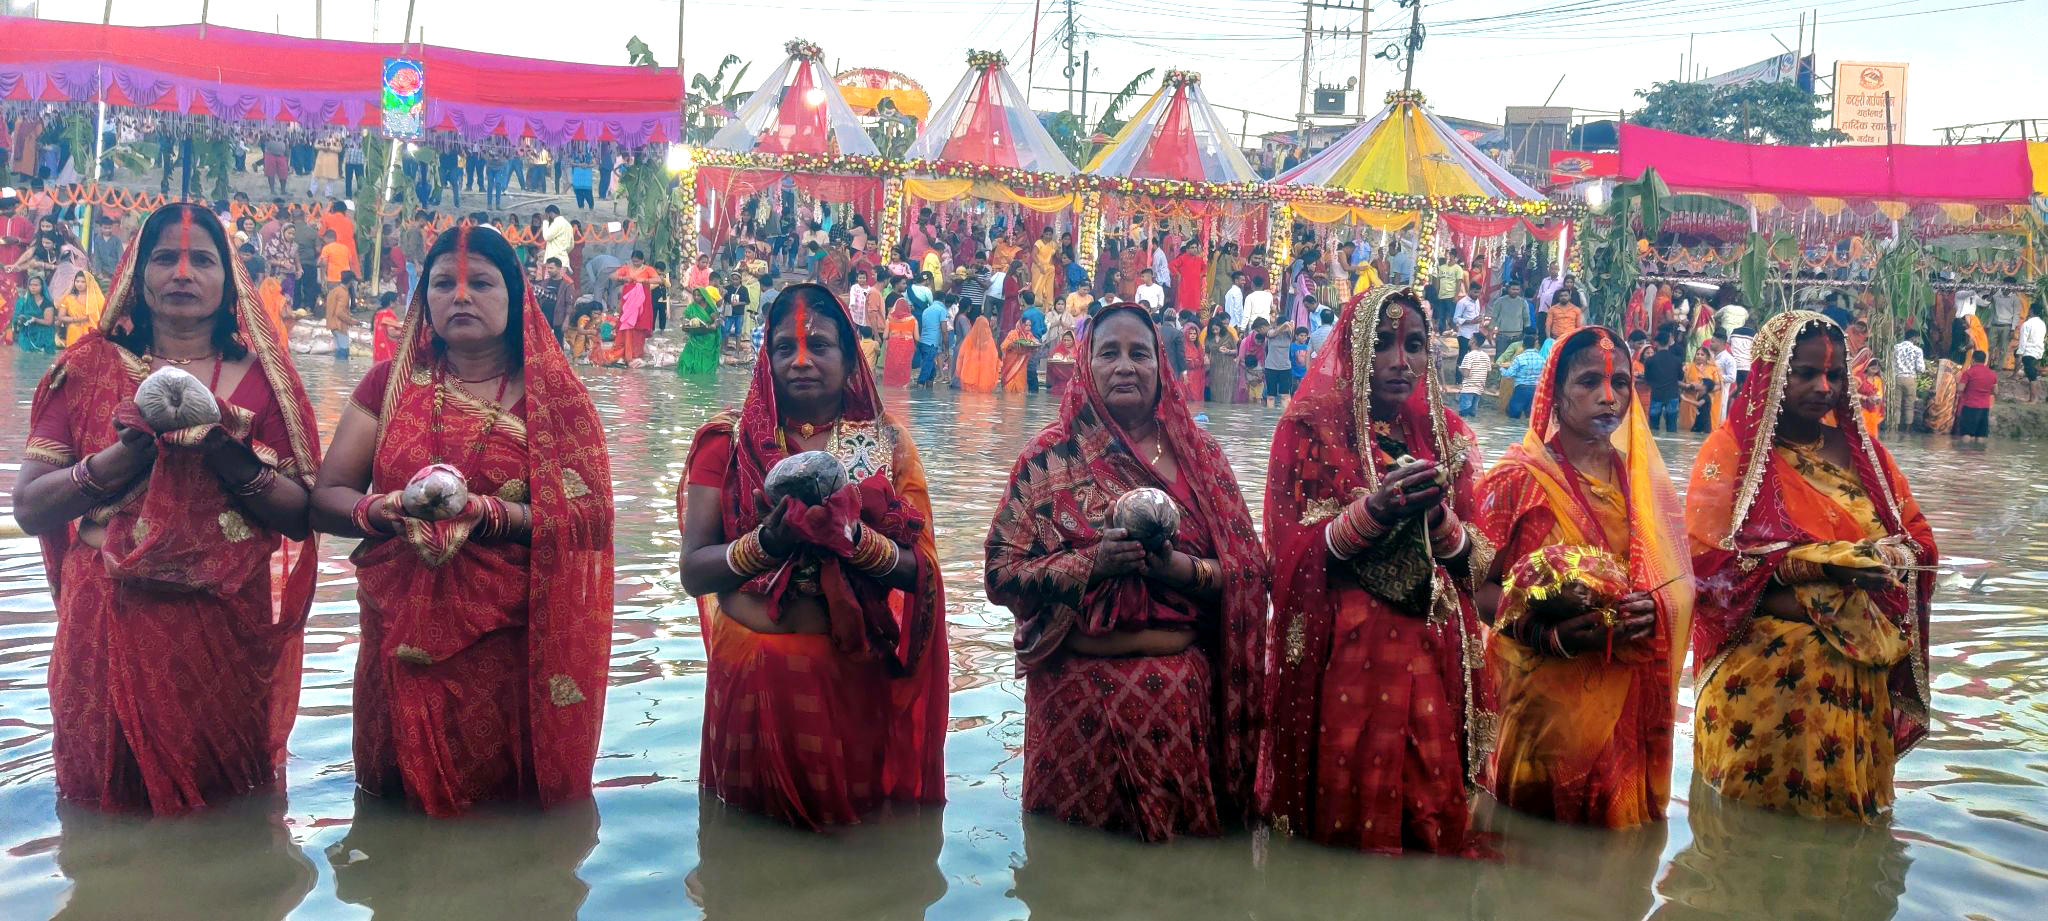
[1971, 60]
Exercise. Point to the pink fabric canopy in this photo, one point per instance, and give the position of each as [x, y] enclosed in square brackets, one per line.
[256, 76]
[1983, 173]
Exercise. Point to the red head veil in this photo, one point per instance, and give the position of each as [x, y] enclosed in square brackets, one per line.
[1238, 652]
[1324, 456]
[1741, 526]
[99, 374]
[569, 576]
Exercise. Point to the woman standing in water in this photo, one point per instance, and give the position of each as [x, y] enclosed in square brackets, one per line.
[1587, 688]
[1141, 663]
[175, 676]
[1375, 714]
[1810, 644]
[825, 695]
[485, 635]
[699, 323]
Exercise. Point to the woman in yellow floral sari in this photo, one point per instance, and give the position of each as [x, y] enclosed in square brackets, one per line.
[1810, 635]
[1587, 686]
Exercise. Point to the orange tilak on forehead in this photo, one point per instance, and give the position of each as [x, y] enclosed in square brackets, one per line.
[185, 254]
[1607, 367]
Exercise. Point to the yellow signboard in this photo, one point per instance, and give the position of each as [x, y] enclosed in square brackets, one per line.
[1863, 92]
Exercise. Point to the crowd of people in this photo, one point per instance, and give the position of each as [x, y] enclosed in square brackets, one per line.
[1408, 623]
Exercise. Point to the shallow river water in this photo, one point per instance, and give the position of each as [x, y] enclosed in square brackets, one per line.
[1969, 839]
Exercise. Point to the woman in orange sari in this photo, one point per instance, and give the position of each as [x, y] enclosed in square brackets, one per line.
[898, 359]
[1698, 394]
[175, 675]
[975, 368]
[1376, 687]
[1816, 573]
[1141, 663]
[1869, 386]
[1587, 691]
[485, 635]
[1020, 349]
[825, 696]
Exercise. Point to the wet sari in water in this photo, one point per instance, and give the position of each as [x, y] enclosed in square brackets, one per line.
[1376, 707]
[482, 671]
[1225, 375]
[1157, 746]
[975, 368]
[1197, 385]
[174, 679]
[1020, 349]
[1706, 377]
[1586, 739]
[700, 344]
[898, 358]
[1805, 716]
[821, 729]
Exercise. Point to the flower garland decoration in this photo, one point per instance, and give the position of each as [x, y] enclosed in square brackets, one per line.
[984, 60]
[1280, 236]
[799, 48]
[1425, 248]
[1088, 236]
[1179, 78]
[892, 216]
[1396, 97]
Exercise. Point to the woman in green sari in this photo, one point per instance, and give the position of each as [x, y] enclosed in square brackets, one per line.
[700, 351]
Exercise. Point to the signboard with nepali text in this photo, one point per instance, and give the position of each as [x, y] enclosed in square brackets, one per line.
[405, 99]
[1863, 90]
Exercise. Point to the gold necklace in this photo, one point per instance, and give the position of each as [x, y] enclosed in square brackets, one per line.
[180, 362]
[806, 429]
[1813, 445]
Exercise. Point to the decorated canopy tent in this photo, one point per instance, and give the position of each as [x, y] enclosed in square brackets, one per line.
[984, 142]
[1175, 160]
[796, 126]
[866, 88]
[1405, 164]
[254, 76]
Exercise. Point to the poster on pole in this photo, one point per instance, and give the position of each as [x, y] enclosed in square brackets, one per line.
[405, 99]
[1863, 89]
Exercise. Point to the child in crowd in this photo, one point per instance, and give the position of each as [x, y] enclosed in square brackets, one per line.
[1473, 370]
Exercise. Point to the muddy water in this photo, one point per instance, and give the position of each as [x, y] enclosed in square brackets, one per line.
[1968, 839]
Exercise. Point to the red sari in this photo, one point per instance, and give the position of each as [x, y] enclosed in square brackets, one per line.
[1156, 745]
[1197, 386]
[901, 348]
[1376, 708]
[166, 697]
[498, 697]
[820, 729]
[1586, 739]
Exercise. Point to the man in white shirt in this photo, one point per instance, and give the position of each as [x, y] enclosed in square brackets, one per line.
[1150, 293]
[1258, 305]
[1160, 267]
[1726, 367]
[1467, 315]
[1908, 363]
[2033, 338]
[1739, 343]
[2005, 319]
[1548, 290]
[1233, 301]
[557, 236]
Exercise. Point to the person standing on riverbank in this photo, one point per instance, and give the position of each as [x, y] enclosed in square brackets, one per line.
[485, 635]
[824, 623]
[1976, 389]
[1810, 632]
[1376, 663]
[1141, 661]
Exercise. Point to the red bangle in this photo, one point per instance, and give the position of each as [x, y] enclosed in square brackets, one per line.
[361, 515]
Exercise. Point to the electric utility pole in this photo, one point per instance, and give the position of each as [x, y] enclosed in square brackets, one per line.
[1309, 33]
[1070, 55]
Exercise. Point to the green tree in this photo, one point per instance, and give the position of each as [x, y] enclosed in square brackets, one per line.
[639, 55]
[1756, 113]
[715, 90]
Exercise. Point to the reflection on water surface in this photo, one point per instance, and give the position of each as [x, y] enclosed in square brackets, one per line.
[1966, 840]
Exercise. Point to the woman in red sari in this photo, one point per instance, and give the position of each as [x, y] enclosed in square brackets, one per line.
[1375, 714]
[175, 676]
[1587, 694]
[825, 625]
[1816, 574]
[485, 636]
[1141, 666]
[901, 349]
[1197, 385]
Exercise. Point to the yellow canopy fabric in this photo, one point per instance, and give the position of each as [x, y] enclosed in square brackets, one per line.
[863, 100]
[950, 189]
[1123, 134]
[1405, 157]
[2037, 157]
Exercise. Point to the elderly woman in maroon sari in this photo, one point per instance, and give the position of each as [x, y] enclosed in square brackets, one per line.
[175, 676]
[1376, 708]
[825, 696]
[486, 633]
[1141, 663]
